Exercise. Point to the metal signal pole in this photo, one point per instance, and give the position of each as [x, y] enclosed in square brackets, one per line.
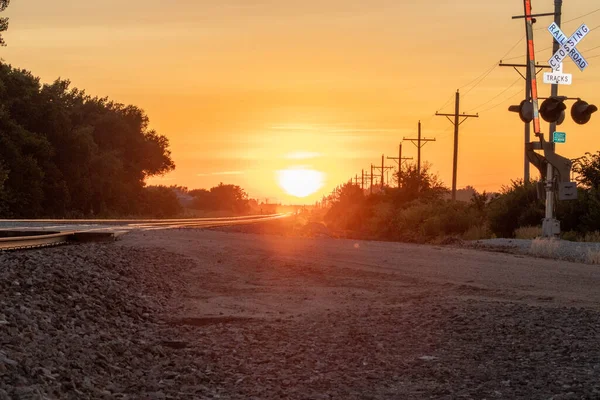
[549, 221]
[457, 116]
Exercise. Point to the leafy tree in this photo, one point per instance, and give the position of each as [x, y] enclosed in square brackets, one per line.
[3, 21]
[222, 197]
[479, 200]
[160, 202]
[67, 153]
[229, 197]
[350, 210]
[588, 170]
[415, 185]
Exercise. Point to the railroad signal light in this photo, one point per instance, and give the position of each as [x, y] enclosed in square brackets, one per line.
[525, 110]
[553, 109]
[581, 112]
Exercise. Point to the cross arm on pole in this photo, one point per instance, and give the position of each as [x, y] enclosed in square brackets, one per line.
[534, 15]
[523, 65]
[415, 141]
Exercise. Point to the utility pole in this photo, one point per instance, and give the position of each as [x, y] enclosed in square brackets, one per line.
[382, 169]
[371, 188]
[399, 160]
[527, 77]
[362, 182]
[457, 122]
[419, 143]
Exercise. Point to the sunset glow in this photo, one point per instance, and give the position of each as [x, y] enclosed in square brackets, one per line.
[257, 85]
[300, 182]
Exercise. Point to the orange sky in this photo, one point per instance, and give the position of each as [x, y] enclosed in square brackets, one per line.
[243, 88]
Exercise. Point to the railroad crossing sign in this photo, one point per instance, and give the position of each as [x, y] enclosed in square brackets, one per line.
[567, 47]
[557, 77]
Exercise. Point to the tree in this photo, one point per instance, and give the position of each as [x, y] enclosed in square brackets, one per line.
[68, 154]
[229, 197]
[160, 202]
[3, 21]
[349, 209]
[588, 170]
[413, 185]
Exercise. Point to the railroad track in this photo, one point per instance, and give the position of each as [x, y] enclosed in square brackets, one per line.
[27, 239]
[34, 241]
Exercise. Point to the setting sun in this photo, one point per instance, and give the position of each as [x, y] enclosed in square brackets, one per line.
[300, 182]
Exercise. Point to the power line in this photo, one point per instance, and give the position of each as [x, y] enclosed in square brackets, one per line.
[502, 102]
[581, 16]
[498, 95]
[477, 81]
[481, 80]
[495, 65]
[593, 48]
[445, 104]
[573, 19]
[525, 55]
[512, 48]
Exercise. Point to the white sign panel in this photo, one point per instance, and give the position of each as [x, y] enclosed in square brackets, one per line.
[557, 78]
[567, 48]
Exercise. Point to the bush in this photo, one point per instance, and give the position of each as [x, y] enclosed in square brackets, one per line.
[571, 236]
[515, 207]
[425, 221]
[528, 232]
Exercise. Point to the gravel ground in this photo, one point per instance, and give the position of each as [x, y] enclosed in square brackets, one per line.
[208, 315]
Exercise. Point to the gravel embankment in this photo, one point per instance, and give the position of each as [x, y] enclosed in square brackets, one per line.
[84, 322]
[547, 248]
[115, 321]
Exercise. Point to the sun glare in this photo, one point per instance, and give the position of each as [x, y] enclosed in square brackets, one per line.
[300, 182]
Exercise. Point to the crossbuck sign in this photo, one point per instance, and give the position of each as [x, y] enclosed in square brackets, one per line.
[567, 48]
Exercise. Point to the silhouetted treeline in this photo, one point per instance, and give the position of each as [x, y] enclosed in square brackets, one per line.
[419, 211]
[64, 153]
[221, 198]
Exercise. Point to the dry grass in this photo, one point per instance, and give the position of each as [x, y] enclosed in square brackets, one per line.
[592, 237]
[545, 247]
[593, 256]
[478, 232]
[528, 232]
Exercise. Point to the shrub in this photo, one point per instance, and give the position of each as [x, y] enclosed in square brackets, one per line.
[593, 237]
[528, 232]
[477, 232]
[593, 256]
[545, 247]
[515, 207]
[571, 236]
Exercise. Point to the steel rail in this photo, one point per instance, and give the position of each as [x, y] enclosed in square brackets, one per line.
[142, 221]
[33, 241]
[56, 238]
